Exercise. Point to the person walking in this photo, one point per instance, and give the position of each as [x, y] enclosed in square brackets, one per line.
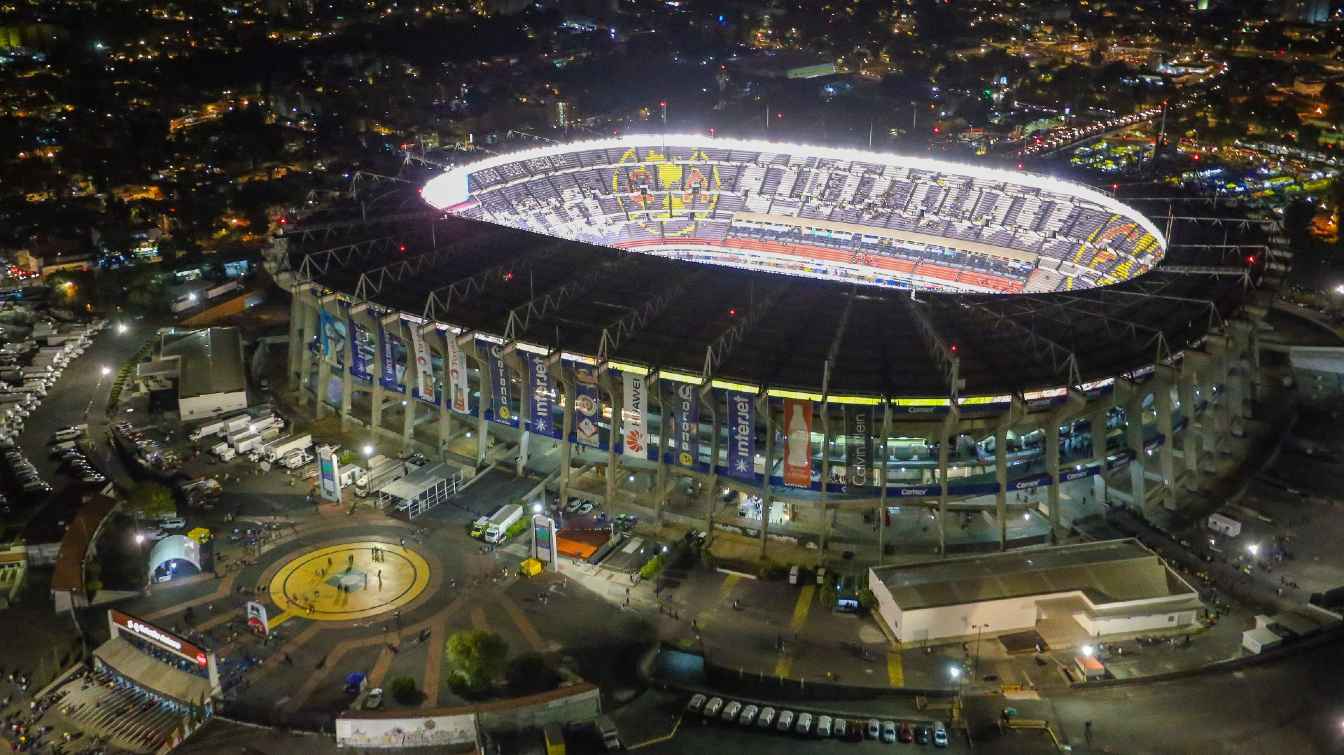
[380, 579]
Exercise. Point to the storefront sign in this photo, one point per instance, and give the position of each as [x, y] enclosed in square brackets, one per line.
[741, 436]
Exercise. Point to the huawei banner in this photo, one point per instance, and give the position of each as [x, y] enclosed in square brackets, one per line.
[798, 442]
[859, 446]
[685, 406]
[636, 414]
[458, 393]
[741, 436]
[424, 371]
[587, 407]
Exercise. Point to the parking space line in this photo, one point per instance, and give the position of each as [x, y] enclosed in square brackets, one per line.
[895, 670]
[802, 607]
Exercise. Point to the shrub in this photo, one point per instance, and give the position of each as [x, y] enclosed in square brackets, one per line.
[403, 690]
[528, 674]
[651, 567]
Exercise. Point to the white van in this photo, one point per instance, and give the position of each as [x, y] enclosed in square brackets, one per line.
[69, 433]
[172, 523]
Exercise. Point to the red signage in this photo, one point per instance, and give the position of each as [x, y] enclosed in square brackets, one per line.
[798, 442]
[161, 637]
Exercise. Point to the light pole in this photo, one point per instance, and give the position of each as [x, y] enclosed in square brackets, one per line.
[959, 679]
[979, 630]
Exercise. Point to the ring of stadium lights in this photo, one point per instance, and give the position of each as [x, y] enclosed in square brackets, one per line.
[450, 190]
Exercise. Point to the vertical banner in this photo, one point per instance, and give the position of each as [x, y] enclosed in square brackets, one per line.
[329, 474]
[361, 358]
[859, 446]
[424, 371]
[798, 442]
[741, 436]
[499, 383]
[587, 407]
[387, 372]
[326, 331]
[539, 389]
[256, 619]
[686, 414]
[456, 367]
[635, 414]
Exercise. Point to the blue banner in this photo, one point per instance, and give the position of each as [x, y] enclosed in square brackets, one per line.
[684, 409]
[331, 338]
[392, 367]
[741, 436]
[587, 407]
[361, 353]
[539, 389]
[499, 384]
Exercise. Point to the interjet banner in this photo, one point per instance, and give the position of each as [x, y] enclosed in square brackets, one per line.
[797, 442]
[499, 383]
[539, 388]
[685, 411]
[459, 397]
[361, 354]
[859, 446]
[741, 436]
[636, 414]
[424, 367]
[587, 407]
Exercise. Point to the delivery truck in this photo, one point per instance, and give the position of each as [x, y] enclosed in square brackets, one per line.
[278, 449]
[501, 521]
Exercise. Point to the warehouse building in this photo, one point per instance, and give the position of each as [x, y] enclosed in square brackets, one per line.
[1106, 588]
[206, 366]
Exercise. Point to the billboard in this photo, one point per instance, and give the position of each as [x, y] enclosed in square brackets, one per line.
[361, 351]
[392, 364]
[543, 538]
[124, 622]
[797, 442]
[499, 384]
[741, 436]
[635, 414]
[859, 446]
[539, 392]
[328, 474]
[257, 620]
[458, 391]
[686, 423]
[424, 370]
[331, 337]
[587, 407]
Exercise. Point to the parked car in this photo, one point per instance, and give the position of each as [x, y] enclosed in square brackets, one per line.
[731, 710]
[906, 734]
[748, 716]
[785, 721]
[889, 732]
[824, 726]
[697, 702]
[939, 734]
[922, 734]
[874, 729]
[841, 729]
[713, 707]
[766, 719]
[804, 724]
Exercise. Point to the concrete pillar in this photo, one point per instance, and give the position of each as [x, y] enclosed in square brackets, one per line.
[660, 478]
[379, 395]
[1166, 456]
[943, 452]
[1001, 480]
[1208, 421]
[308, 314]
[347, 376]
[323, 363]
[617, 399]
[1097, 420]
[1190, 439]
[825, 474]
[296, 340]
[473, 353]
[1052, 469]
[1134, 440]
[408, 397]
[767, 496]
[712, 487]
[882, 456]
[566, 427]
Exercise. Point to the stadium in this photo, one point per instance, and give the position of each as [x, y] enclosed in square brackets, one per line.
[804, 335]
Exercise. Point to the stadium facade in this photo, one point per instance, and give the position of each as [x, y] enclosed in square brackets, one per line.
[868, 387]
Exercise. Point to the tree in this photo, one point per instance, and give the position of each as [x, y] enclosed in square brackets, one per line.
[151, 500]
[528, 674]
[403, 690]
[475, 657]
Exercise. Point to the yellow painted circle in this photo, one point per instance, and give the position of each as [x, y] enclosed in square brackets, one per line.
[342, 582]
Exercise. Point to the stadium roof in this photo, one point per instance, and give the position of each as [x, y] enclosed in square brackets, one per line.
[211, 361]
[1113, 571]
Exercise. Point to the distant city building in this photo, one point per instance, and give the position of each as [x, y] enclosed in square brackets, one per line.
[1306, 11]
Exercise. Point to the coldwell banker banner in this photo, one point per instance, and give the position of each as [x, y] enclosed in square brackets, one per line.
[685, 407]
[539, 388]
[424, 370]
[741, 436]
[499, 383]
[636, 414]
[797, 442]
[587, 407]
[387, 373]
[458, 395]
[858, 446]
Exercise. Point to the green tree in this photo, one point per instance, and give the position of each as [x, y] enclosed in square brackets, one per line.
[475, 658]
[151, 500]
[403, 690]
[528, 674]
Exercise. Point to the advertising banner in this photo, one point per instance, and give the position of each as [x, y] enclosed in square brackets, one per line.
[256, 618]
[361, 356]
[499, 383]
[458, 393]
[685, 411]
[741, 436]
[859, 446]
[587, 407]
[328, 474]
[635, 414]
[539, 388]
[424, 370]
[387, 372]
[797, 442]
[331, 337]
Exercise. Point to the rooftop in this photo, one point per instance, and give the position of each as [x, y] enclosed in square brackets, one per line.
[1108, 572]
[211, 361]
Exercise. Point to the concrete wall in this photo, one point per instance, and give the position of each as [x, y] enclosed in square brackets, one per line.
[204, 407]
[411, 731]
[1103, 626]
[956, 620]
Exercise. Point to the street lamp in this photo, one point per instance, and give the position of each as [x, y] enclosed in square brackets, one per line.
[139, 538]
[105, 370]
[1253, 549]
[1088, 650]
[980, 630]
[368, 451]
[121, 328]
[536, 508]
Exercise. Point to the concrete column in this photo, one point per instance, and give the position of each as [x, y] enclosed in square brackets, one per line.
[482, 425]
[347, 376]
[308, 315]
[1052, 468]
[943, 453]
[1001, 479]
[825, 474]
[408, 416]
[1134, 440]
[1166, 456]
[712, 488]
[617, 399]
[1190, 440]
[1097, 420]
[660, 478]
[1208, 378]
[767, 496]
[881, 457]
[566, 427]
[323, 365]
[378, 396]
[296, 340]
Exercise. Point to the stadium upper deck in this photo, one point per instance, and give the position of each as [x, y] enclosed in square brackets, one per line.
[844, 215]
